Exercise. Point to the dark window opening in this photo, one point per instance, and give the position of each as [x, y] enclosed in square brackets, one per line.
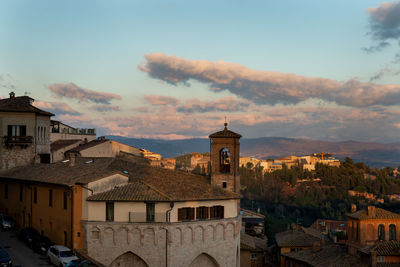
[6, 191]
[21, 193]
[150, 212]
[223, 184]
[381, 232]
[392, 232]
[358, 231]
[35, 195]
[217, 212]
[65, 238]
[50, 198]
[224, 161]
[186, 214]
[65, 200]
[202, 213]
[16, 130]
[109, 211]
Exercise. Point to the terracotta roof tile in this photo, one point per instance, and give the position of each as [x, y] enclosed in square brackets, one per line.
[134, 191]
[21, 104]
[383, 248]
[62, 173]
[294, 238]
[89, 145]
[59, 144]
[379, 214]
[248, 242]
[225, 133]
[176, 185]
[327, 256]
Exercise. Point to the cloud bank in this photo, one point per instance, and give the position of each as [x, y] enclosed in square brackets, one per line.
[263, 87]
[384, 23]
[71, 90]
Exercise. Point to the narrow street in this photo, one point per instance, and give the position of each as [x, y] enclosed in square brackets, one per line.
[21, 255]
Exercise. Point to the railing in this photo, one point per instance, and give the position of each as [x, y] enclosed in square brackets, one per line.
[18, 140]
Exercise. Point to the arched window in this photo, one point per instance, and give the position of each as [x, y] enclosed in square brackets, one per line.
[392, 232]
[381, 232]
[224, 161]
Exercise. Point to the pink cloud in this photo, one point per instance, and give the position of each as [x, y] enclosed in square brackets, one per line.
[160, 100]
[71, 90]
[58, 108]
[263, 87]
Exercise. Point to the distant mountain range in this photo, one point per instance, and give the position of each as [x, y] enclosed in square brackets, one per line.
[373, 154]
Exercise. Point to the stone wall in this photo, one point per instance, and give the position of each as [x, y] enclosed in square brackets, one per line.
[211, 242]
[16, 156]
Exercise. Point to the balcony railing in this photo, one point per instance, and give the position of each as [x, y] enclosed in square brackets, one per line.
[23, 141]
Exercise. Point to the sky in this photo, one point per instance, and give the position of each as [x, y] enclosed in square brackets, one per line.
[327, 70]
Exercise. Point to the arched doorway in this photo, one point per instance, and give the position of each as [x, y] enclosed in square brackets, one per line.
[128, 259]
[204, 260]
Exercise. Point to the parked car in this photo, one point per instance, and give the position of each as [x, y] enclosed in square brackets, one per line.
[5, 260]
[27, 235]
[41, 244]
[6, 222]
[60, 255]
[79, 263]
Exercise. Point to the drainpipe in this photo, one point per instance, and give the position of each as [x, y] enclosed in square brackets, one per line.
[168, 220]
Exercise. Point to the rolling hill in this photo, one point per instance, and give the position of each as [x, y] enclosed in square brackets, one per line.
[373, 154]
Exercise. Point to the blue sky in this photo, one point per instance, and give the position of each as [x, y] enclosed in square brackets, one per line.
[153, 58]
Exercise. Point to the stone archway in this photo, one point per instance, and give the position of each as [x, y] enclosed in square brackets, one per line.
[128, 259]
[204, 260]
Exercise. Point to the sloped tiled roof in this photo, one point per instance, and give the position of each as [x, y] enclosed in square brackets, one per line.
[134, 191]
[379, 214]
[295, 238]
[329, 255]
[383, 248]
[225, 133]
[175, 185]
[21, 104]
[62, 173]
[252, 243]
[59, 144]
[89, 145]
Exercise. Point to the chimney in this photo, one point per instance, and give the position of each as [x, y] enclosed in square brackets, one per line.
[12, 94]
[353, 208]
[71, 159]
[371, 211]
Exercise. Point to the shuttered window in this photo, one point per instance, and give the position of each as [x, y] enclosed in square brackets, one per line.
[16, 130]
[202, 213]
[186, 214]
[217, 212]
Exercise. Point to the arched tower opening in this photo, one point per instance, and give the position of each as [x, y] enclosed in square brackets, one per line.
[224, 161]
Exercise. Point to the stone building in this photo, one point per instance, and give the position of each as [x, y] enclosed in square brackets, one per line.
[225, 155]
[25, 132]
[371, 231]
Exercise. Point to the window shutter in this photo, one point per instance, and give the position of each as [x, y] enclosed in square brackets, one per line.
[208, 215]
[198, 213]
[180, 214]
[211, 212]
[221, 215]
[191, 213]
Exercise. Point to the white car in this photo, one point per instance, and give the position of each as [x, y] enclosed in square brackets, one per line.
[60, 255]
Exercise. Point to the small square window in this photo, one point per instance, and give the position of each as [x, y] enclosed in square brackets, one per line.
[223, 184]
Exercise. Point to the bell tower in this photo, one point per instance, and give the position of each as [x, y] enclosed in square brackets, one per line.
[225, 153]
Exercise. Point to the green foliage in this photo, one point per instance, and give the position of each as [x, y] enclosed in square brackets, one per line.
[290, 195]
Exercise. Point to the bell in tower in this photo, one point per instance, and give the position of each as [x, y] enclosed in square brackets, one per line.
[225, 153]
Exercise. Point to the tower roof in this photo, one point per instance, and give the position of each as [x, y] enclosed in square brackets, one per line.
[225, 133]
